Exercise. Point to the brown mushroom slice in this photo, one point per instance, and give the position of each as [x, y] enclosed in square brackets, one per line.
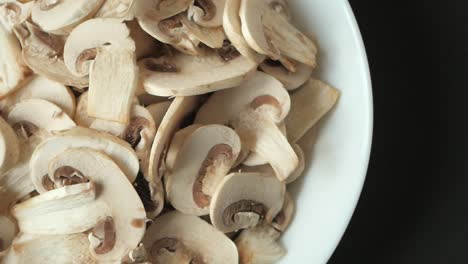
[119, 150]
[290, 80]
[42, 88]
[177, 142]
[254, 159]
[273, 35]
[43, 53]
[180, 108]
[118, 9]
[309, 105]
[182, 75]
[63, 19]
[244, 200]
[233, 29]
[9, 146]
[66, 210]
[284, 217]
[8, 231]
[204, 159]
[259, 245]
[13, 70]
[119, 233]
[207, 13]
[175, 236]
[39, 249]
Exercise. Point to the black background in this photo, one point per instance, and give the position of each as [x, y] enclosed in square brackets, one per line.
[414, 206]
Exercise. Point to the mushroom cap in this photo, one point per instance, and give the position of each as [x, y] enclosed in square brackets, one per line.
[8, 231]
[65, 13]
[285, 216]
[208, 13]
[259, 245]
[14, 12]
[66, 210]
[126, 209]
[119, 150]
[260, 90]
[40, 87]
[81, 114]
[145, 44]
[78, 53]
[212, 37]
[184, 75]
[157, 10]
[233, 29]
[177, 142]
[192, 234]
[246, 199]
[309, 105]
[9, 146]
[204, 159]
[300, 167]
[119, 9]
[290, 80]
[41, 113]
[273, 35]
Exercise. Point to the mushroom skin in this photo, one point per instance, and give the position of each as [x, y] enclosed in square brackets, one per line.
[244, 200]
[259, 245]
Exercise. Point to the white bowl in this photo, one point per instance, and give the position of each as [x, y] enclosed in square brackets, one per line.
[328, 192]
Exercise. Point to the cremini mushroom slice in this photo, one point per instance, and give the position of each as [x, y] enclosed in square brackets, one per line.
[207, 13]
[8, 231]
[259, 245]
[120, 232]
[43, 53]
[40, 114]
[38, 249]
[273, 35]
[233, 29]
[184, 75]
[13, 12]
[119, 150]
[118, 9]
[67, 210]
[175, 237]
[284, 217]
[9, 146]
[42, 88]
[204, 159]
[309, 105]
[61, 16]
[290, 80]
[177, 142]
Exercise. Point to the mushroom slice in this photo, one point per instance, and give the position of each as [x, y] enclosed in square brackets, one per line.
[119, 150]
[13, 13]
[284, 217]
[259, 245]
[145, 44]
[204, 159]
[13, 70]
[207, 13]
[254, 159]
[158, 10]
[118, 9]
[63, 20]
[9, 146]
[79, 52]
[66, 210]
[300, 167]
[175, 237]
[243, 200]
[81, 115]
[42, 88]
[233, 29]
[39, 113]
[177, 142]
[119, 233]
[309, 105]
[8, 231]
[158, 111]
[180, 108]
[212, 37]
[184, 75]
[35, 249]
[273, 35]
[290, 80]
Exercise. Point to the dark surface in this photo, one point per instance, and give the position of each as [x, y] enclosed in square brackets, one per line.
[414, 206]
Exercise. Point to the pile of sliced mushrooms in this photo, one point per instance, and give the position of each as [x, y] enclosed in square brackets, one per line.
[152, 131]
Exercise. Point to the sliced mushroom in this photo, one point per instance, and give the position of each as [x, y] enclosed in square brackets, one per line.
[81, 115]
[184, 75]
[284, 217]
[42, 88]
[8, 231]
[212, 37]
[259, 245]
[301, 166]
[204, 159]
[175, 237]
[61, 16]
[158, 111]
[207, 13]
[38, 114]
[43, 53]
[119, 150]
[273, 35]
[118, 9]
[309, 105]
[145, 44]
[158, 10]
[233, 29]
[244, 200]
[9, 146]
[13, 70]
[35, 249]
[115, 236]
[177, 142]
[290, 80]
[13, 13]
